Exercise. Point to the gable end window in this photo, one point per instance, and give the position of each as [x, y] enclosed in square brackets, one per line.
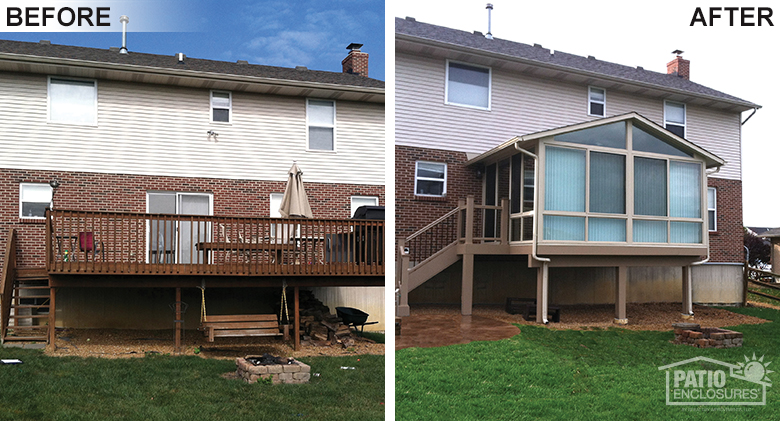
[34, 199]
[72, 101]
[321, 121]
[468, 85]
[674, 118]
[597, 102]
[221, 106]
[430, 179]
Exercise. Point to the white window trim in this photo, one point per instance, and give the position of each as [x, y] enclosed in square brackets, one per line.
[447, 86]
[715, 209]
[444, 188]
[591, 101]
[352, 209]
[21, 189]
[211, 106]
[48, 101]
[333, 126]
[685, 116]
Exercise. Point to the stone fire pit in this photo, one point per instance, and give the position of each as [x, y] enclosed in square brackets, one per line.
[709, 337]
[282, 370]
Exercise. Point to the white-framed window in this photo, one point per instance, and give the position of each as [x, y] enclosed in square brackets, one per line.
[597, 101]
[321, 122]
[468, 85]
[430, 179]
[712, 208]
[34, 199]
[221, 106]
[674, 117]
[72, 101]
[358, 201]
[276, 203]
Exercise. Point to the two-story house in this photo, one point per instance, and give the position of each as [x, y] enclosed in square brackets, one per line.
[127, 175]
[522, 172]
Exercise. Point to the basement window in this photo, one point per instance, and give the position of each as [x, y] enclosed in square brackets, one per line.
[221, 106]
[34, 199]
[597, 102]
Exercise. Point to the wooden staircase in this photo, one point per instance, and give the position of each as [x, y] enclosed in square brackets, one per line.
[24, 299]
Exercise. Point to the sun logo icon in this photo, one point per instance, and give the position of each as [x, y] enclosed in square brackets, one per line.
[754, 370]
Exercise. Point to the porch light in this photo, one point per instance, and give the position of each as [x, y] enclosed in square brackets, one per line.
[54, 184]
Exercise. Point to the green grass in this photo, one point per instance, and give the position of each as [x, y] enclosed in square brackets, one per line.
[761, 299]
[569, 375]
[183, 388]
[374, 336]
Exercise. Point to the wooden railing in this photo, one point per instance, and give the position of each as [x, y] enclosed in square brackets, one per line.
[761, 279]
[7, 282]
[79, 242]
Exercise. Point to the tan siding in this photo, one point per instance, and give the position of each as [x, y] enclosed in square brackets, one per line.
[161, 130]
[522, 104]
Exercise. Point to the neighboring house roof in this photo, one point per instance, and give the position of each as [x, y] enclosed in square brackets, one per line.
[758, 230]
[772, 233]
[507, 148]
[410, 29]
[50, 58]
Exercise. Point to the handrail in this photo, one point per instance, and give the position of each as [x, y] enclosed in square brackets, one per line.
[432, 224]
[7, 283]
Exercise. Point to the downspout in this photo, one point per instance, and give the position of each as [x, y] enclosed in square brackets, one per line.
[701, 262]
[748, 118]
[534, 244]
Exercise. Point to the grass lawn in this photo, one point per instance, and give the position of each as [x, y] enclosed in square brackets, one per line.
[183, 388]
[571, 375]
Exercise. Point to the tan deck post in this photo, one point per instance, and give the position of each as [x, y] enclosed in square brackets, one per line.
[542, 289]
[52, 316]
[177, 323]
[461, 206]
[403, 280]
[621, 284]
[467, 290]
[504, 221]
[469, 219]
[297, 327]
[687, 310]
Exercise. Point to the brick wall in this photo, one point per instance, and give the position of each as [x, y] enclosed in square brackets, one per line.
[127, 193]
[414, 212]
[726, 244]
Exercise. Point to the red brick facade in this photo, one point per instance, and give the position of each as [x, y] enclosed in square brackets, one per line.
[127, 193]
[726, 244]
[414, 212]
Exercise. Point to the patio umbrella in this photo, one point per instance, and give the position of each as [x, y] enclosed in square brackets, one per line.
[295, 203]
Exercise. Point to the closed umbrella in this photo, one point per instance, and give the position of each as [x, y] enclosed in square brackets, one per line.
[295, 203]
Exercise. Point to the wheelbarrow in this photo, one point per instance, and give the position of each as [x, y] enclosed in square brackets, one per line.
[353, 317]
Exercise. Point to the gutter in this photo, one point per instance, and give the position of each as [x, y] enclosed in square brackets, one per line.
[751, 115]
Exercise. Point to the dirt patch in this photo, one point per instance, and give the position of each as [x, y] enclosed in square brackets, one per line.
[652, 316]
[120, 343]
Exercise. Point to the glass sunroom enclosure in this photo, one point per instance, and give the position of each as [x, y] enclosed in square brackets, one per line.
[615, 182]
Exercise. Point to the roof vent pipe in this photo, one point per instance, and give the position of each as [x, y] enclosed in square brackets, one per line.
[180, 57]
[489, 8]
[124, 19]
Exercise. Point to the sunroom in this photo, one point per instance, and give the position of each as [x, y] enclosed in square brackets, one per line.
[617, 192]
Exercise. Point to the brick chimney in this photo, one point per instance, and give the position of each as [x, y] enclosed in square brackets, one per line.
[356, 61]
[679, 66]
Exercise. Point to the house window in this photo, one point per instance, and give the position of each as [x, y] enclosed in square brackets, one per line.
[34, 199]
[468, 85]
[358, 201]
[712, 212]
[221, 106]
[72, 101]
[321, 120]
[430, 179]
[597, 101]
[674, 117]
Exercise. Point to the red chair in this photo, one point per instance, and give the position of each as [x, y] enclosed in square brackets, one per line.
[88, 245]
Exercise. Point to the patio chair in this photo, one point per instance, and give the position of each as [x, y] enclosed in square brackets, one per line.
[88, 245]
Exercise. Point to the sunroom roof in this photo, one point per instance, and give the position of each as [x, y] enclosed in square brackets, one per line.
[507, 148]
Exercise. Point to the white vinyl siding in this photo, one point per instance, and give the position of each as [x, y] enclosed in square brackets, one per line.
[161, 130]
[221, 106]
[34, 199]
[72, 101]
[522, 104]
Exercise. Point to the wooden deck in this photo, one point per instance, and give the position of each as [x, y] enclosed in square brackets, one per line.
[136, 244]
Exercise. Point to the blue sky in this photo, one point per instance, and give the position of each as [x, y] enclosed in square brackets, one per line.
[289, 33]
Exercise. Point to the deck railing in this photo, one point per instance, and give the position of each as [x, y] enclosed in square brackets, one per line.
[80, 242]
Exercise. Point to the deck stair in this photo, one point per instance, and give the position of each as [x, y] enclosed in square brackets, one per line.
[29, 307]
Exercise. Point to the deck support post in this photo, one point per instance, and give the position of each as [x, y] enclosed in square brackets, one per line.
[687, 304]
[621, 285]
[177, 323]
[467, 289]
[542, 292]
[52, 316]
[297, 327]
[402, 273]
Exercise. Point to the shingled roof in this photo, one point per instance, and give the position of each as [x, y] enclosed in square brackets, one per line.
[410, 27]
[170, 62]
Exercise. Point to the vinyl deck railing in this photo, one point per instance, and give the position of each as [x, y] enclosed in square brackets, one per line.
[82, 242]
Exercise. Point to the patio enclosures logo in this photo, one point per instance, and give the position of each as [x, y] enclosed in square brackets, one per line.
[705, 381]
